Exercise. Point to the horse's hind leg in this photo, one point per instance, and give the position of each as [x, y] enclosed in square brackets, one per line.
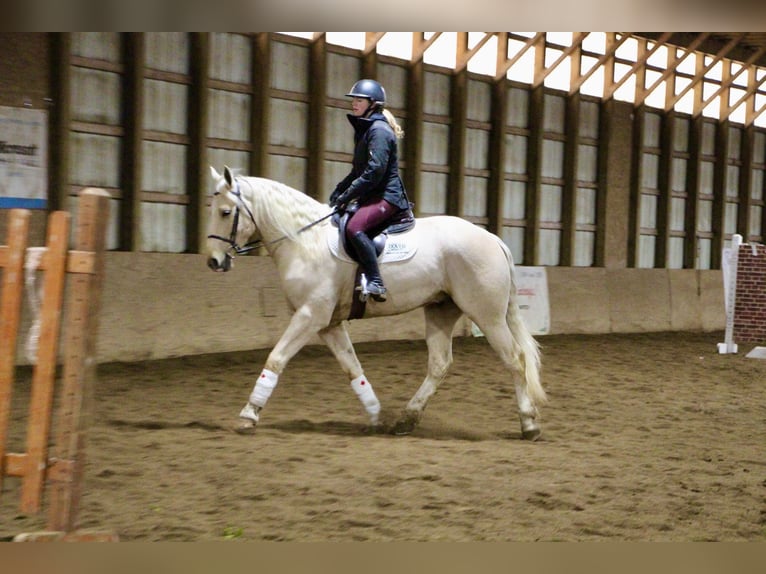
[338, 341]
[440, 324]
[513, 355]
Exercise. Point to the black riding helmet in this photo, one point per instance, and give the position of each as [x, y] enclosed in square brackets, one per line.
[369, 89]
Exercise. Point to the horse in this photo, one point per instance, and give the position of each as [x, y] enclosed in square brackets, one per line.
[457, 269]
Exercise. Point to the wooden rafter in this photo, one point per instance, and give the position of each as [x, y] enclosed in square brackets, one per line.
[640, 62]
[756, 114]
[726, 83]
[576, 42]
[502, 69]
[701, 75]
[725, 113]
[672, 67]
[371, 40]
[600, 62]
[464, 56]
[420, 45]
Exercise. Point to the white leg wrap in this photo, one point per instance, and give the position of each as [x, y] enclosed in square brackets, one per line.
[363, 390]
[262, 390]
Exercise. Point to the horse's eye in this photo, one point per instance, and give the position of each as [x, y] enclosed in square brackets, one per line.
[225, 212]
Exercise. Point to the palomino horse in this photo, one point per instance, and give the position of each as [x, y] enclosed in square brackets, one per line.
[457, 268]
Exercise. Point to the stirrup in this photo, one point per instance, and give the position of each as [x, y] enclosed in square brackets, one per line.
[372, 288]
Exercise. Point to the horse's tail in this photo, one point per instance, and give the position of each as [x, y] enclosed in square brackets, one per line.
[530, 349]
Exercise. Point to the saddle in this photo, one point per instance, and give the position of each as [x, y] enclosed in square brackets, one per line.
[399, 223]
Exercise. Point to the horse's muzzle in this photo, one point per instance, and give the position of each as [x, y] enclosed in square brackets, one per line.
[216, 265]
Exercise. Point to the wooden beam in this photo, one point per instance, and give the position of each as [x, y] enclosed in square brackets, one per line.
[702, 69]
[197, 171]
[371, 40]
[59, 140]
[317, 118]
[691, 218]
[413, 146]
[672, 67]
[638, 65]
[729, 77]
[502, 69]
[132, 121]
[749, 93]
[576, 42]
[465, 54]
[574, 86]
[420, 45]
[457, 136]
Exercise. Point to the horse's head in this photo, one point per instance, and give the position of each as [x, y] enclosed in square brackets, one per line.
[231, 222]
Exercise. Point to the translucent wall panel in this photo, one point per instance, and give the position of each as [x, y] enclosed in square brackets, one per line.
[231, 58]
[513, 237]
[95, 96]
[759, 147]
[678, 178]
[646, 244]
[95, 160]
[587, 163]
[735, 143]
[518, 107]
[583, 248]
[675, 253]
[288, 123]
[164, 167]
[342, 73]
[650, 164]
[514, 200]
[553, 159]
[165, 107]
[677, 213]
[394, 81]
[732, 181]
[72, 203]
[555, 114]
[708, 138]
[549, 246]
[435, 143]
[238, 160]
[339, 134]
[589, 119]
[652, 126]
[681, 134]
[515, 154]
[704, 215]
[730, 218]
[229, 115]
[586, 206]
[433, 193]
[475, 197]
[162, 227]
[168, 51]
[756, 223]
[436, 93]
[97, 45]
[550, 203]
[334, 172]
[648, 211]
[289, 68]
[756, 184]
[703, 254]
[476, 149]
[290, 171]
[479, 101]
[706, 177]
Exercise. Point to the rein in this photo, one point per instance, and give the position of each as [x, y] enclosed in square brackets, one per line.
[258, 243]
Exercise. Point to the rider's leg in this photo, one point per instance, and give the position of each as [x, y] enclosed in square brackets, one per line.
[364, 223]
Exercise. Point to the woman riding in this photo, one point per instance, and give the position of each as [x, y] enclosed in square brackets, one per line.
[374, 181]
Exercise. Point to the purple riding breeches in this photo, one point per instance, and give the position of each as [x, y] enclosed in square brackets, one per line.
[371, 218]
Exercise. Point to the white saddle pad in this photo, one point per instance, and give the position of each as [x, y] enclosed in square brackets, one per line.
[399, 246]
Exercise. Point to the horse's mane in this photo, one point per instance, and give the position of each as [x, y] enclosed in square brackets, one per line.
[284, 208]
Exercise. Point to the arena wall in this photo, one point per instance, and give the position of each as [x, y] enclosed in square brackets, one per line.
[161, 305]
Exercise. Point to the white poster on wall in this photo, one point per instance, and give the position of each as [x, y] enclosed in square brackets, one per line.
[23, 158]
[532, 298]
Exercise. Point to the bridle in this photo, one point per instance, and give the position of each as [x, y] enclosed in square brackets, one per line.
[258, 243]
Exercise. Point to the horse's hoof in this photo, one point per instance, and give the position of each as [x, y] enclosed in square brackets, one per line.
[531, 435]
[406, 424]
[245, 427]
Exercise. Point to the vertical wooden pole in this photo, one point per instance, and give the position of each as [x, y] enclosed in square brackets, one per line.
[76, 409]
[10, 313]
[41, 400]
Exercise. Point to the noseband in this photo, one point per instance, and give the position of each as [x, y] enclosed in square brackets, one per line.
[252, 245]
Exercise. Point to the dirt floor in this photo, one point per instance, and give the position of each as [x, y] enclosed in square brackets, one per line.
[650, 437]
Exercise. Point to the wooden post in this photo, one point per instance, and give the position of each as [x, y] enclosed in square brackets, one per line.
[76, 409]
[12, 261]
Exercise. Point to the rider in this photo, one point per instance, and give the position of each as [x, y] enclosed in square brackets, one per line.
[374, 180]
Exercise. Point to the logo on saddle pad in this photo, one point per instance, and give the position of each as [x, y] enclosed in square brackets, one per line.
[398, 246]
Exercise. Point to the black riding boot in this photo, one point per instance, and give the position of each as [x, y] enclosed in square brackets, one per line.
[365, 249]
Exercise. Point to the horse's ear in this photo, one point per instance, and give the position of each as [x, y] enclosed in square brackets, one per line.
[214, 173]
[229, 177]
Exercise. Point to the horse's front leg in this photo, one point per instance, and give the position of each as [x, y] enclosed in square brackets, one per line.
[304, 324]
[338, 341]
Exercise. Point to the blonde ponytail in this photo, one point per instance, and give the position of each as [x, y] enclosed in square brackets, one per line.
[398, 131]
